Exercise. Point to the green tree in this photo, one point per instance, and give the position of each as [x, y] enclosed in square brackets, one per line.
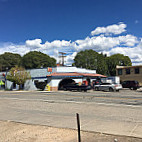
[90, 59]
[117, 59]
[18, 75]
[9, 60]
[35, 59]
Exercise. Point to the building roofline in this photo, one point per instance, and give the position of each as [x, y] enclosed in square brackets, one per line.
[125, 67]
[75, 74]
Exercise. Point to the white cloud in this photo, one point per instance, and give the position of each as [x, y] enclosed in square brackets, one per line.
[98, 43]
[9, 47]
[69, 58]
[36, 43]
[112, 29]
[136, 21]
[134, 53]
[101, 43]
[127, 44]
[128, 40]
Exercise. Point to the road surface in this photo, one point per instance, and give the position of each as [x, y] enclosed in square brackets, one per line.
[107, 112]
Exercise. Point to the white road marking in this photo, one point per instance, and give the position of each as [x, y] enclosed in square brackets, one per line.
[133, 129]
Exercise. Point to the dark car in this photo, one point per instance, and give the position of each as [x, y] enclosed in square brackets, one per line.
[76, 87]
[131, 84]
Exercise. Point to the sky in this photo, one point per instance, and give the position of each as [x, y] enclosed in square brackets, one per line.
[70, 26]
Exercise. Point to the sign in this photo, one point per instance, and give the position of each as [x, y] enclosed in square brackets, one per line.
[49, 69]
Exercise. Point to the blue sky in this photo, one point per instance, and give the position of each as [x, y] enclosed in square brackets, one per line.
[51, 26]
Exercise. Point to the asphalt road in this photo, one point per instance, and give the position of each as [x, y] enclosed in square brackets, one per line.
[126, 96]
[107, 112]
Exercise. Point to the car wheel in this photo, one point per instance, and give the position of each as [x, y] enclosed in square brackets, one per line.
[131, 88]
[96, 89]
[111, 90]
[134, 88]
[65, 89]
[79, 90]
[117, 90]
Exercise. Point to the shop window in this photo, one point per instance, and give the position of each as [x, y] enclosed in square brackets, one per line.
[137, 71]
[127, 71]
[119, 71]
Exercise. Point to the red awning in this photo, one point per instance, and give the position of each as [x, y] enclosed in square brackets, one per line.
[63, 74]
[76, 74]
[92, 75]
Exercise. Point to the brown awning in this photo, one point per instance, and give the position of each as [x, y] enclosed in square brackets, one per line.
[76, 74]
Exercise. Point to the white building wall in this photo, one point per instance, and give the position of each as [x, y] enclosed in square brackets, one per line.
[55, 82]
[74, 69]
[29, 85]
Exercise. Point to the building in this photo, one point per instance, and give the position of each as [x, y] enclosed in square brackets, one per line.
[63, 75]
[53, 79]
[130, 73]
[37, 75]
[58, 80]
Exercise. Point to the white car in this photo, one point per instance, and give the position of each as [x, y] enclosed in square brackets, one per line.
[108, 87]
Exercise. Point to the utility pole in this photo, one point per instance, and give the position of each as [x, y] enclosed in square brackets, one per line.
[62, 56]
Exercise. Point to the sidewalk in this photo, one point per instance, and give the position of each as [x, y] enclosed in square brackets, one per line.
[11, 131]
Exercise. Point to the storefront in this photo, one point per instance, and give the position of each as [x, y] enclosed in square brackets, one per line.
[65, 75]
[53, 79]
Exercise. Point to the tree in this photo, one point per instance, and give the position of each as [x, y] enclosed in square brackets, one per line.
[117, 59]
[18, 75]
[36, 59]
[9, 60]
[90, 59]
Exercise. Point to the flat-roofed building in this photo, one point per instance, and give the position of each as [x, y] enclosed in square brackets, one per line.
[63, 75]
[53, 78]
[130, 73]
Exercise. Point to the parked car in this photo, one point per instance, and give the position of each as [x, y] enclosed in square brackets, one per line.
[107, 87]
[131, 84]
[76, 87]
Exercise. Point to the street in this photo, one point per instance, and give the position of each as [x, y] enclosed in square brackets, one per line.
[107, 112]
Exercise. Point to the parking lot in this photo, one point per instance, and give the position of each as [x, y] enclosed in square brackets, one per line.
[107, 112]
